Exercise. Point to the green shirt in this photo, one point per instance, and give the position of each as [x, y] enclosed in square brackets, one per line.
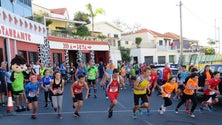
[41, 71]
[18, 83]
[92, 72]
[132, 72]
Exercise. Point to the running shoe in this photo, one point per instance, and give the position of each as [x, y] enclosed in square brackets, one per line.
[76, 114]
[55, 109]
[176, 111]
[148, 112]
[59, 116]
[107, 97]
[188, 111]
[161, 112]
[110, 113]
[209, 107]
[163, 108]
[134, 116]
[192, 115]
[140, 111]
[33, 116]
[201, 110]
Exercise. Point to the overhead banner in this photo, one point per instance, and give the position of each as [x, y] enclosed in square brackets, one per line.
[19, 28]
[77, 46]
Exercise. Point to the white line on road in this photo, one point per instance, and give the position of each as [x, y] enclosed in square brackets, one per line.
[93, 112]
[121, 105]
[149, 123]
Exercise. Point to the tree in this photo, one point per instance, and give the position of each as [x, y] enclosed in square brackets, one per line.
[81, 16]
[82, 31]
[210, 51]
[138, 41]
[93, 14]
[125, 54]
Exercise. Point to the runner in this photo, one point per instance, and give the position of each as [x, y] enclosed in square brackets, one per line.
[57, 87]
[92, 74]
[211, 92]
[140, 87]
[113, 88]
[188, 93]
[166, 90]
[46, 86]
[30, 93]
[77, 96]
[152, 85]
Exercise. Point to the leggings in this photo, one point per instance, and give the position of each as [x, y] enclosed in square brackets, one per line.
[57, 103]
[186, 97]
[47, 94]
[167, 101]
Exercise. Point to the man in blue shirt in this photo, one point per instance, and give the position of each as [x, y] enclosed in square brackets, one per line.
[63, 69]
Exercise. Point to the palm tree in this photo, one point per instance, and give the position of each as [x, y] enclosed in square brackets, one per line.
[93, 14]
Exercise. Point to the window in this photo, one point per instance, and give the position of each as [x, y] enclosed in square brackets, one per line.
[23, 54]
[161, 60]
[160, 42]
[26, 2]
[119, 43]
[57, 58]
[116, 36]
[33, 57]
[171, 58]
[148, 59]
[126, 42]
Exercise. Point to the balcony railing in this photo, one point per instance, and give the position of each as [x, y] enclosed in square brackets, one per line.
[166, 48]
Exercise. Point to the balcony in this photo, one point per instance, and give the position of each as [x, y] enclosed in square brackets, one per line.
[166, 48]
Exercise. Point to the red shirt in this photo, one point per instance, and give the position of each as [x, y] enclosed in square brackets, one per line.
[113, 86]
[212, 83]
[153, 78]
[77, 89]
[167, 72]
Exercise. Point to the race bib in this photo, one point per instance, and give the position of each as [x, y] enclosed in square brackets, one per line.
[212, 93]
[113, 89]
[32, 94]
[77, 91]
[168, 95]
[58, 90]
[47, 86]
[90, 76]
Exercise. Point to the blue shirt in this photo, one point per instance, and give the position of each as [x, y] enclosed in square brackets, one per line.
[31, 89]
[184, 75]
[63, 69]
[80, 71]
[2, 75]
[8, 75]
[46, 82]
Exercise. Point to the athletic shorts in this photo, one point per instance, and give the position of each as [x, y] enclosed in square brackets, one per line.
[112, 95]
[137, 98]
[91, 82]
[17, 93]
[78, 97]
[32, 99]
[207, 97]
[2, 87]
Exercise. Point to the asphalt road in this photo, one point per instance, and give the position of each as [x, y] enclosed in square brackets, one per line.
[94, 112]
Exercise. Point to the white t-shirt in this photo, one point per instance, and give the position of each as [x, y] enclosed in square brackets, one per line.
[36, 68]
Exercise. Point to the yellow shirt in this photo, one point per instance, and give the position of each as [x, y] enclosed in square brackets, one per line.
[191, 83]
[143, 84]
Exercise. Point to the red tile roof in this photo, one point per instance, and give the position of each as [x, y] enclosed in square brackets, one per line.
[172, 35]
[59, 39]
[154, 33]
[60, 11]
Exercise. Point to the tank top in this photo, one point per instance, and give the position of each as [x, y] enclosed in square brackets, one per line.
[57, 87]
[78, 88]
[113, 86]
[80, 71]
[143, 83]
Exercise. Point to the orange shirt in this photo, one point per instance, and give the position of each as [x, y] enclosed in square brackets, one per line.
[110, 66]
[208, 76]
[168, 89]
[192, 83]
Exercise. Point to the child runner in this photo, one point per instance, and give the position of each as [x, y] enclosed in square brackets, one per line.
[46, 86]
[30, 93]
[211, 92]
[166, 90]
[112, 88]
[76, 91]
[188, 93]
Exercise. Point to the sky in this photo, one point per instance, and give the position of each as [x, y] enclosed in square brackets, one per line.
[198, 16]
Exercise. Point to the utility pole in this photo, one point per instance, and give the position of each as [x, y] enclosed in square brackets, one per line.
[181, 33]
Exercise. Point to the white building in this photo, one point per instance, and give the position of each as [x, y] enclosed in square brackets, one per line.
[154, 48]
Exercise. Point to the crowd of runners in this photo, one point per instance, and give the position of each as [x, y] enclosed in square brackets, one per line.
[142, 79]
